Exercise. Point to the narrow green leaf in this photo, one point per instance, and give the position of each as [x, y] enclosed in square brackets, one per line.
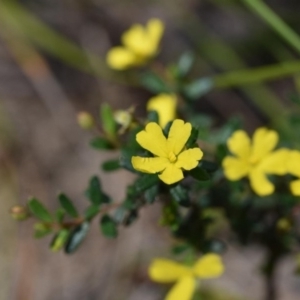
[198, 88]
[151, 194]
[59, 215]
[200, 174]
[191, 142]
[153, 116]
[209, 166]
[39, 210]
[111, 165]
[108, 122]
[145, 182]
[108, 227]
[68, 206]
[125, 159]
[100, 143]
[94, 192]
[154, 83]
[76, 237]
[91, 212]
[131, 217]
[41, 230]
[180, 195]
[185, 63]
[59, 240]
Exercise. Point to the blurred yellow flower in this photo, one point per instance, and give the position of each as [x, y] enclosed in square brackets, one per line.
[168, 271]
[293, 166]
[170, 155]
[255, 160]
[165, 106]
[139, 45]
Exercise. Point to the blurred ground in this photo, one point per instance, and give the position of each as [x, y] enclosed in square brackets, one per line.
[45, 152]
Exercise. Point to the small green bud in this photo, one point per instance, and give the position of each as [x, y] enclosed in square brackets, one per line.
[59, 240]
[85, 120]
[284, 225]
[19, 213]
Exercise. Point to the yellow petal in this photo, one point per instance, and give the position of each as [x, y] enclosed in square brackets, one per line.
[120, 58]
[183, 289]
[209, 266]
[295, 187]
[189, 159]
[171, 174]
[264, 141]
[260, 183]
[276, 162]
[165, 105]
[178, 135]
[155, 30]
[149, 164]
[293, 164]
[165, 270]
[239, 144]
[153, 140]
[235, 168]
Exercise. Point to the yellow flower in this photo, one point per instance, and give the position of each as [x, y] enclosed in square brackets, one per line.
[168, 271]
[170, 155]
[140, 44]
[165, 105]
[255, 160]
[293, 166]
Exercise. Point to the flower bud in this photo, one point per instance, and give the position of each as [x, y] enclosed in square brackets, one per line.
[19, 213]
[85, 120]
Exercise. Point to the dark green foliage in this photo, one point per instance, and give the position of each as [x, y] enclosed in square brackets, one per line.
[108, 123]
[95, 193]
[100, 143]
[154, 83]
[153, 116]
[191, 142]
[68, 205]
[198, 88]
[180, 195]
[59, 240]
[111, 165]
[39, 210]
[91, 212]
[108, 227]
[185, 64]
[76, 237]
[199, 174]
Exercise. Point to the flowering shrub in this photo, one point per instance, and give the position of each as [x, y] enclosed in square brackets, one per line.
[202, 175]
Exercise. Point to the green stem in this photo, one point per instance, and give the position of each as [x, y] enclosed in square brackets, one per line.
[273, 20]
[243, 77]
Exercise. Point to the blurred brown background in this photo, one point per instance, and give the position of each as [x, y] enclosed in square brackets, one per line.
[43, 151]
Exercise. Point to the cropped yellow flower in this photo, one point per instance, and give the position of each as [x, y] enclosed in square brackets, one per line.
[255, 160]
[165, 105]
[168, 271]
[140, 44]
[293, 166]
[170, 155]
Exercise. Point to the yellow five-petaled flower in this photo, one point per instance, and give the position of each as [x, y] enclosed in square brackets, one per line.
[170, 155]
[139, 45]
[255, 160]
[168, 271]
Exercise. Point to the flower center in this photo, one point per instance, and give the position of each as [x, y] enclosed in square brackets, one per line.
[172, 157]
[253, 160]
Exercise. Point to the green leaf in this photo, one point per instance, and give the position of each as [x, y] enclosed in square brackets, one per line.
[41, 230]
[209, 166]
[131, 217]
[199, 174]
[59, 215]
[91, 212]
[180, 195]
[153, 116]
[68, 206]
[151, 194]
[198, 88]
[179, 249]
[191, 142]
[100, 143]
[39, 210]
[59, 240]
[108, 227]
[111, 165]
[145, 181]
[108, 122]
[185, 63]
[154, 83]
[125, 159]
[76, 237]
[94, 192]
